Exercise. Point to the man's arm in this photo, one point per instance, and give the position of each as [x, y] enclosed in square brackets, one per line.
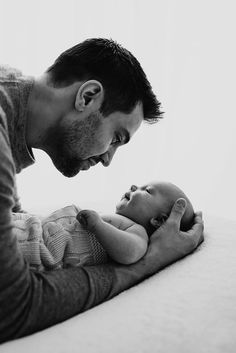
[124, 246]
[31, 301]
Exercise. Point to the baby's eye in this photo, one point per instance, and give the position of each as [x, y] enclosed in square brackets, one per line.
[148, 190]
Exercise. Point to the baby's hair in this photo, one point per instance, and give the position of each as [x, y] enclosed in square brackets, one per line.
[188, 218]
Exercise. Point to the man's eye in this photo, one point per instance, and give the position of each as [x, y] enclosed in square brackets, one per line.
[148, 190]
[116, 140]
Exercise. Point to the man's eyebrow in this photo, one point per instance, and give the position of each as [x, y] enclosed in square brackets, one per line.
[126, 136]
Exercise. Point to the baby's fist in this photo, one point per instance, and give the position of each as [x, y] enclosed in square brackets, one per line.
[88, 219]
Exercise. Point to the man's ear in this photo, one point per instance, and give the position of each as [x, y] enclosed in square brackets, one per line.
[158, 221]
[90, 93]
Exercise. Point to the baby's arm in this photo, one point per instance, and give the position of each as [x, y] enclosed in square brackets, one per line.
[125, 245]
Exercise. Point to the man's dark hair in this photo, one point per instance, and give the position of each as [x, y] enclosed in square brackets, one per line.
[123, 79]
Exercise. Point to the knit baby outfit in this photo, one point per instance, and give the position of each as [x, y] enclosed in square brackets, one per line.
[57, 241]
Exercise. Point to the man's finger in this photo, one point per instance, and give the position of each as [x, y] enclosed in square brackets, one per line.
[177, 212]
[198, 222]
[198, 215]
[197, 227]
[196, 232]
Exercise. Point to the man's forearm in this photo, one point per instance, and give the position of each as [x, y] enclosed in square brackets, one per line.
[38, 300]
[31, 301]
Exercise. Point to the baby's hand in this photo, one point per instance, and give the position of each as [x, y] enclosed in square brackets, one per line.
[89, 219]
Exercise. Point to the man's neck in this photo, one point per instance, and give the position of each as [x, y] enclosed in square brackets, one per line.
[35, 114]
[47, 104]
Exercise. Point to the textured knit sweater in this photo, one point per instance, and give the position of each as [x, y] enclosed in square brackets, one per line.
[29, 300]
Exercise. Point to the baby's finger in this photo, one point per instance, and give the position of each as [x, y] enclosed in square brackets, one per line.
[82, 217]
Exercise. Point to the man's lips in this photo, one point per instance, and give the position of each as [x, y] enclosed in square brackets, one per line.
[93, 161]
[90, 162]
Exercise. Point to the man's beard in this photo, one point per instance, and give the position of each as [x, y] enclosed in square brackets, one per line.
[61, 159]
[68, 146]
[68, 167]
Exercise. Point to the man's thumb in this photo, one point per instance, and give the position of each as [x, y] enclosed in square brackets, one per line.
[177, 211]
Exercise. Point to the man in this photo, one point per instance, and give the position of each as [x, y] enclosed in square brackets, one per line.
[88, 103]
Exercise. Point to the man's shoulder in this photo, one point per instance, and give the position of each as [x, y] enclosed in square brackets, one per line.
[9, 78]
[3, 121]
[9, 74]
[6, 104]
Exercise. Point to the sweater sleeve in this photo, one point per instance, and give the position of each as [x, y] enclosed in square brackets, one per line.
[31, 301]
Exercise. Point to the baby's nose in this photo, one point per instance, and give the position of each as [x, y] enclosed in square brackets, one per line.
[133, 188]
[127, 195]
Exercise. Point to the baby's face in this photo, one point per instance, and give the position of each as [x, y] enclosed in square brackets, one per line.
[153, 200]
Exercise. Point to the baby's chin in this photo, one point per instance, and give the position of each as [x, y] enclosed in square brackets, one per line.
[122, 210]
[121, 206]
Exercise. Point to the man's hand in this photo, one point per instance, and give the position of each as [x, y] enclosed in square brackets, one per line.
[168, 244]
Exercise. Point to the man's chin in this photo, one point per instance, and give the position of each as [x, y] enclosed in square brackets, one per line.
[73, 167]
[69, 174]
[66, 170]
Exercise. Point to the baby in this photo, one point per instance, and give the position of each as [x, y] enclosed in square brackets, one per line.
[124, 235]
[61, 241]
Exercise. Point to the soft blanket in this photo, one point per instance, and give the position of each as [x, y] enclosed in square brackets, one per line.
[188, 307]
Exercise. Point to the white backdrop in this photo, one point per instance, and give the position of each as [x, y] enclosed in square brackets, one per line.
[187, 49]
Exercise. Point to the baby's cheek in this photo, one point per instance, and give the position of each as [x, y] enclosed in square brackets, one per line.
[139, 214]
[125, 211]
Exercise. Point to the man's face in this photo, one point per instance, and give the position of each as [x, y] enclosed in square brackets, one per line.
[76, 144]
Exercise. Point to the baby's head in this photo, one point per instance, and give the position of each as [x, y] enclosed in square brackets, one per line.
[151, 204]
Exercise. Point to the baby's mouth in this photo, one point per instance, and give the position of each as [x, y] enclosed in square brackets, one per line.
[126, 196]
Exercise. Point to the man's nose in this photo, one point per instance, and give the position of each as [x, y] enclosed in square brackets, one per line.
[107, 157]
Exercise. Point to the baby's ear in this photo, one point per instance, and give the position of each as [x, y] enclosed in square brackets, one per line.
[158, 221]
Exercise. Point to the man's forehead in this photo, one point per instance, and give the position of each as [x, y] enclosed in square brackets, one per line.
[137, 113]
[132, 121]
[138, 109]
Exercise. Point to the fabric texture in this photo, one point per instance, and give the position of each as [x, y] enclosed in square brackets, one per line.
[14, 94]
[57, 241]
[189, 307]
